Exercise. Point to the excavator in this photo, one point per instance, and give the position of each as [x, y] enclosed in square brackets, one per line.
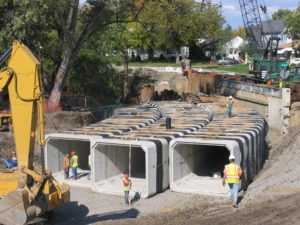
[27, 192]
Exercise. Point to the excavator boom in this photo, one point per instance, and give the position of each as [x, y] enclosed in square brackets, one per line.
[28, 192]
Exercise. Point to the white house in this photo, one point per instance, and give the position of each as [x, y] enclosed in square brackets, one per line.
[232, 48]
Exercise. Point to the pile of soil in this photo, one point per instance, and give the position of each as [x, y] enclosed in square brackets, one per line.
[54, 122]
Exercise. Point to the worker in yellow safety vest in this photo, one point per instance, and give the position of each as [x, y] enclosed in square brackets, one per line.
[232, 174]
[126, 187]
[280, 83]
[74, 165]
[229, 105]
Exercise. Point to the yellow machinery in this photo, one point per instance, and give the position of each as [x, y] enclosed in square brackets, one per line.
[28, 192]
[5, 120]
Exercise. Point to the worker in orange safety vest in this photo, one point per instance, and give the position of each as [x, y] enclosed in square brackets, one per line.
[126, 187]
[232, 174]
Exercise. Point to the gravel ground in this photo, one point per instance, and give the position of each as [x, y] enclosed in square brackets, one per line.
[88, 207]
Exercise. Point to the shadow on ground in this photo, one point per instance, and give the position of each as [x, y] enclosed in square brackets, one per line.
[78, 214]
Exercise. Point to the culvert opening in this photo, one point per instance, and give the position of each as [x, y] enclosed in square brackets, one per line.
[199, 168]
[57, 149]
[113, 161]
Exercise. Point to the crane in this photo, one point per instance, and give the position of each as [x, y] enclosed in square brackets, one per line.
[263, 49]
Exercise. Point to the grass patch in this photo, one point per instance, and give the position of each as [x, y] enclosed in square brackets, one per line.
[165, 64]
[237, 68]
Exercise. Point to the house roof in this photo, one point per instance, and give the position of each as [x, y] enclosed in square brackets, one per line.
[273, 26]
[289, 45]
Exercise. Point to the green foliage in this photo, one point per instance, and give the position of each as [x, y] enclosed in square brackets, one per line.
[292, 23]
[168, 24]
[91, 75]
[226, 36]
[281, 14]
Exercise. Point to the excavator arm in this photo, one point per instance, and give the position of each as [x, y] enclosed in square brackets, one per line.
[28, 191]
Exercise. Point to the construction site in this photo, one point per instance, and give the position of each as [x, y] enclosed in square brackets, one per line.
[175, 151]
[149, 143]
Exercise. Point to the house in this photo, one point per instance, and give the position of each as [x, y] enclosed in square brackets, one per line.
[233, 48]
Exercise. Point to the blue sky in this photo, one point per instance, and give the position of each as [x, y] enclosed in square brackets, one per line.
[231, 9]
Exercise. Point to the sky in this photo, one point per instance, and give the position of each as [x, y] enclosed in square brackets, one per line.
[232, 13]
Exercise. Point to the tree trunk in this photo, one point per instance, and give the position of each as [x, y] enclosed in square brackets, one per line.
[150, 54]
[125, 81]
[177, 55]
[60, 78]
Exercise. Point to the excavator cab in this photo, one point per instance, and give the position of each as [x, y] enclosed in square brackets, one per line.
[27, 192]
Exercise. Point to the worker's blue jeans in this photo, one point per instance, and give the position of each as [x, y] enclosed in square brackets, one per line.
[126, 194]
[234, 189]
[66, 173]
[90, 172]
[74, 172]
[229, 112]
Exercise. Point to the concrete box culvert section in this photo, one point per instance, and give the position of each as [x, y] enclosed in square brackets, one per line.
[196, 165]
[112, 158]
[57, 145]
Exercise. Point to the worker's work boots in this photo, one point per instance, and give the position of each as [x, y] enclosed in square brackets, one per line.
[234, 204]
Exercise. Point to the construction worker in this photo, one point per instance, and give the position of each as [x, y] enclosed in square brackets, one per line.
[229, 104]
[66, 165]
[74, 165]
[126, 187]
[232, 174]
[280, 83]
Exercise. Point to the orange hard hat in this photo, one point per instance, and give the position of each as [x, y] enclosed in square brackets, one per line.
[126, 175]
[73, 153]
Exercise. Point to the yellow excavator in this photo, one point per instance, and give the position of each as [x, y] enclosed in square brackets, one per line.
[27, 192]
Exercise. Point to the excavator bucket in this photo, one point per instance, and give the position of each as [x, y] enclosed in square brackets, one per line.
[15, 208]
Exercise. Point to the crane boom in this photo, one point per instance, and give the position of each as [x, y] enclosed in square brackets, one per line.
[253, 26]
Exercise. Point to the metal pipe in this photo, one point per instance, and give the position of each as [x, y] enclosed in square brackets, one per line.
[4, 56]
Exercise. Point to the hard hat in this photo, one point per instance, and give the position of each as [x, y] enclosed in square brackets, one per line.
[73, 153]
[126, 175]
[231, 157]
[230, 96]
[14, 158]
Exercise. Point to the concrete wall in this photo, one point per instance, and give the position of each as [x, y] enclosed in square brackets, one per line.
[272, 105]
[57, 145]
[111, 159]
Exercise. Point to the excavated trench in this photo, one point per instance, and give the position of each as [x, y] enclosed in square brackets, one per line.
[189, 157]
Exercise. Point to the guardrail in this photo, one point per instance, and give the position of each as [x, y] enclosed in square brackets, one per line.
[254, 88]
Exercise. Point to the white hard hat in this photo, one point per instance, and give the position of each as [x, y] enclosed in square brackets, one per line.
[231, 157]
[230, 96]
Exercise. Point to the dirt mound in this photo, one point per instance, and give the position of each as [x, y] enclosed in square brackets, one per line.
[53, 122]
[67, 120]
[281, 173]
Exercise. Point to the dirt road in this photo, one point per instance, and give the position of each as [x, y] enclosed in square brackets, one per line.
[284, 210]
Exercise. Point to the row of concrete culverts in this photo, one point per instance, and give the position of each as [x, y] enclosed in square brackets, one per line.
[189, 157]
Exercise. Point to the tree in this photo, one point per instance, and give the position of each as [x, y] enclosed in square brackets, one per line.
[173, 24]
[241, 32]
[292, 23]
[281, 14]
[226, 36]
[92, 75]
[75, 30]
